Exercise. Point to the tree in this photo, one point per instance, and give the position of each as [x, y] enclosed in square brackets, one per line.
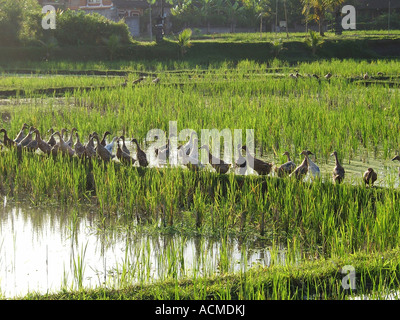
[317, 9]
[262, 9]
[184, 41]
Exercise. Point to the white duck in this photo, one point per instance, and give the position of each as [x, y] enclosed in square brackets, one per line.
[312, 167]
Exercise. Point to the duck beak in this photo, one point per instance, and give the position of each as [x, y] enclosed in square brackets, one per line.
[395, 158]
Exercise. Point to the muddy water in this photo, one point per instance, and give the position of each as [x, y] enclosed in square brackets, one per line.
[44, 250]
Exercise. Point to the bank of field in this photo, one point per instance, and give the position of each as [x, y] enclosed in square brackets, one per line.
[357, 117]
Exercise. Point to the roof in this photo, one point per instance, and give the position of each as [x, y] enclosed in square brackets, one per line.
[130, 4]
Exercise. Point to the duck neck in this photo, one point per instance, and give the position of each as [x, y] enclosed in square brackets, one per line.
[337, 160]
[288, 157]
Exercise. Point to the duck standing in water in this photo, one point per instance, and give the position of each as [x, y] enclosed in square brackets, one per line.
[52, 141]
[101, 151]
[241, 161]
[21, 134]
[122, 156]
[7, 141]
[79, 148]
[338, 170]
[140, 155]
[286, 168]
[312, 167]
[302, 169]
[397, 157]
[370, 177]
[219, 165]
[259, 166]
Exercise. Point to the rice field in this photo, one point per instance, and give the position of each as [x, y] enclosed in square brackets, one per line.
[307, 223]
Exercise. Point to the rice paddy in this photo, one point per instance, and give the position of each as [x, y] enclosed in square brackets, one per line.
[309, 229]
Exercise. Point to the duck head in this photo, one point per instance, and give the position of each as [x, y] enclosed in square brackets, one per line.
[334, 153]
[396, 158]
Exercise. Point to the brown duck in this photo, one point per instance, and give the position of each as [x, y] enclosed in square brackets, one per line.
[302, 169]
[79, 148]
[261, 167]
[286, 168]
[370, 177]
[25, 141]
[70, 141]
[124, 148]
[42, 145]
[218, 164]
[134, 82]
[52, 141]
[103, 141]
[90, 150]
[140, 155]
[7, 141]
[101, 151]
[21, 134]
[122, 156]
[338, 170]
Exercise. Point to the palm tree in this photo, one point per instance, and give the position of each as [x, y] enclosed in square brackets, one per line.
[184, 41]
[316, 10]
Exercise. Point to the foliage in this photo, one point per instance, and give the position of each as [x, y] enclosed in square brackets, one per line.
[313, 41]
[184, 41]
[19, 21]
[79, 28]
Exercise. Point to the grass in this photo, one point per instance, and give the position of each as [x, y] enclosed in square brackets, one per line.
[333, 221]
[310, 280]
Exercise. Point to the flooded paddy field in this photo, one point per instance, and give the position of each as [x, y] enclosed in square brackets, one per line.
[69, 224]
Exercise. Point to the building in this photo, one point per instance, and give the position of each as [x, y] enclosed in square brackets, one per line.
[130, 10]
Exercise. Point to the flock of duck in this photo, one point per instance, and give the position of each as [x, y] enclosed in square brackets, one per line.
[187, 153]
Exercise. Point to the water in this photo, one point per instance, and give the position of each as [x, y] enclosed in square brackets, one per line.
[40, 250]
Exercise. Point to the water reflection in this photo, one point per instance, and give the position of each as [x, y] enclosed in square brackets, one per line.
[44, 250]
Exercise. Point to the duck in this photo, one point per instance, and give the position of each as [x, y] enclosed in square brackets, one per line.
[338, 170]
[328, 76]
[103, 141]
[380, 73]
[312, 167]
[156, 80]
[125, 83]
[259, 166]
[366, 76]
[64, 132]
[241, 161]
[218, 164]
[70, 141]
[33, 145]
[122, 156]
[370, 177]
[41, 144]
[163, 152]
[27, 139]
[302, 169]
[109, 147]
[140, 154]
[52, 141]
[315, 76]
[21, 134]
[292, 76]
[7, 141]
[79, 148]
[63, 146]
[124, 148]
[101, 151]
[187, 147]
[134, 82]
[287, 167]
[90, 151]
[397, 157]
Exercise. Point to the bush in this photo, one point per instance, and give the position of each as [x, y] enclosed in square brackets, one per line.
[19, 21]
[79, 28]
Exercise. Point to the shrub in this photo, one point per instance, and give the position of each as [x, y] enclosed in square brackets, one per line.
[79, 28]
